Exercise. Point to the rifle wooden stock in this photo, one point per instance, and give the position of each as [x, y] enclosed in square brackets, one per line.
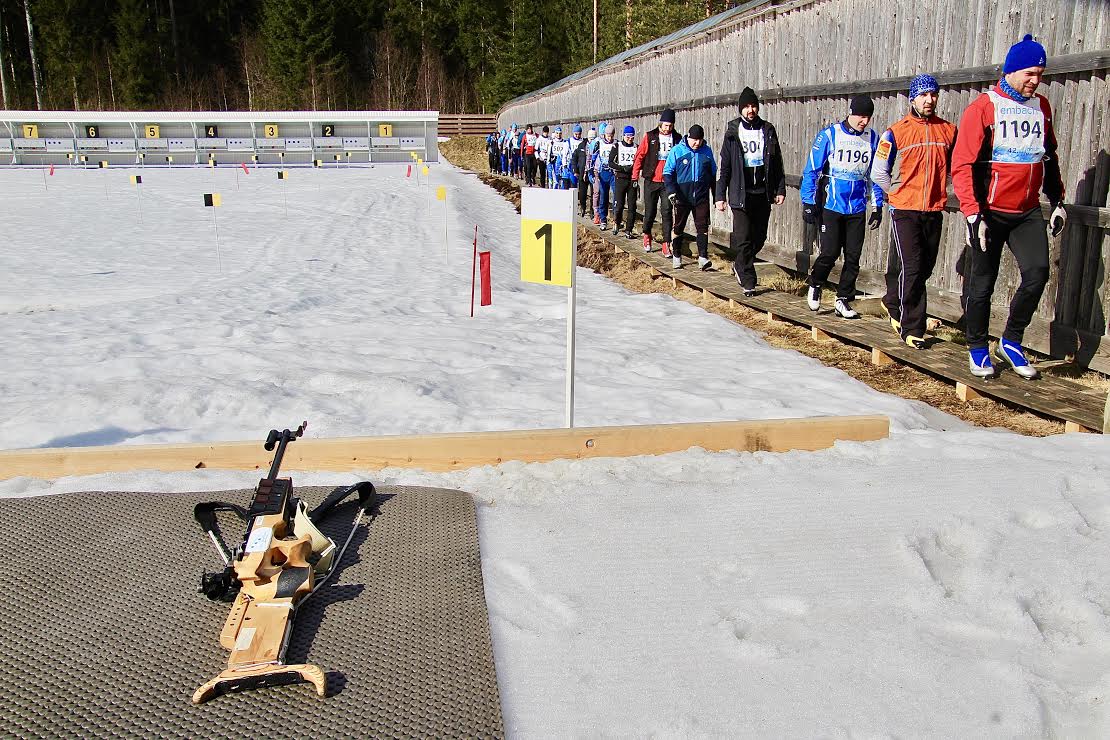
[275, 575]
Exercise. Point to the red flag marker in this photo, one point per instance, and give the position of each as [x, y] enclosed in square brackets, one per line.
[487, 291]
[244, 166]
[408, 171]
[51, 170]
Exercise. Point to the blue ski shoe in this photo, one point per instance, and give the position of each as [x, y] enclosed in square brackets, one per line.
[1012, 354]
[979, 360]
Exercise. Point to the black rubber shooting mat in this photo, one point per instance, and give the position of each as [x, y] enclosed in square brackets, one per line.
[103, 633]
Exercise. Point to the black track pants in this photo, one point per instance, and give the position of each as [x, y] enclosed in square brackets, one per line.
[913, 254]
[839, 233]
[584, 203]
[749, 232]
[624, 204]
[655, 197]
[1026, 237]
[530, 170]
[682, 211]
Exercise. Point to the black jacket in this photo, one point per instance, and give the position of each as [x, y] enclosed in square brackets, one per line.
[731, 172]
[578, 153]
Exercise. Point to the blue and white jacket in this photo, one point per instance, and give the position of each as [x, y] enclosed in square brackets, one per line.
[689, 173]
[843, 159]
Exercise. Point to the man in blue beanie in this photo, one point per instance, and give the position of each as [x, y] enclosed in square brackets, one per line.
[621, 159]
[1004, 156]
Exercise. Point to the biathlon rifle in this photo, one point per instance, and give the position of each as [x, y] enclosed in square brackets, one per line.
[281, 561]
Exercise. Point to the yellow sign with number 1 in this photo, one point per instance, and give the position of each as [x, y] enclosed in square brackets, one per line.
[547, 236]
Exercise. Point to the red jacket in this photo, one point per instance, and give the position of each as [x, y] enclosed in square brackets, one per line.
[1004, 154]
[649, 152]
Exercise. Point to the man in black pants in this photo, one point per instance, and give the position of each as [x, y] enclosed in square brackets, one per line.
[621, 159]
[650, 158]
[839, 166]
[528, 145]
[1004, 156]
[578, 157]
[752, 176]
[690, 173]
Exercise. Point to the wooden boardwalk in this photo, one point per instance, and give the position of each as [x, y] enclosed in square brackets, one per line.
[1081, 407]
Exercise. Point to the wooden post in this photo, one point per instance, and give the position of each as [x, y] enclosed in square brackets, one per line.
[880, 358]
[1072, 427]
[1106, 416]
[966, 393]
[820, 335]
[774, 318]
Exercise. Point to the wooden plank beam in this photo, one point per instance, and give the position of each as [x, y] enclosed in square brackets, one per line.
[456, 451]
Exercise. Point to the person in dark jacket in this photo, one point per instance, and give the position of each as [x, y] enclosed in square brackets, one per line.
[579, 153]
[690, 174]
[650, 158]
[752, 178]
[621, 159]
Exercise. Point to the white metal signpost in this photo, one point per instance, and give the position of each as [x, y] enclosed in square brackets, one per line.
[549, 253]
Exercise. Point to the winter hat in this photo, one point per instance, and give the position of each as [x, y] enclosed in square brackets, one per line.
[923, 84]
[696, 132]
[629, 131]
[558, 129]
[667, 116]
[748, 97]
[862, 105]
[577, 128]
[1024, 54]
[601, 127]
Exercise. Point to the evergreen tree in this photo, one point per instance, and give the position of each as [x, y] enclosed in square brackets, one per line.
[136, 60]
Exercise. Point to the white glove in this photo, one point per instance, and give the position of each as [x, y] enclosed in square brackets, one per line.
[1057, 220]
[976, 232]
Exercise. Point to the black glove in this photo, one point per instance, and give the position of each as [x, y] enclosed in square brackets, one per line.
[673, 198]
[875, 219]
[809, 213]
[977, 232]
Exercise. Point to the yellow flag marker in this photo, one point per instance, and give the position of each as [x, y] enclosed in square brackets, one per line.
[337, 157]
[419, 161]
[136, 179]
[103, 164]
[212, 200]
[254, 158]
[283, 175]
[412, 155]
[441, 193]
[317, 163]
[424, 170]
[211, 162]
[169, 159]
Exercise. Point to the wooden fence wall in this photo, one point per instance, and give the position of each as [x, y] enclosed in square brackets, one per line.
[807, 57]
[466, 124]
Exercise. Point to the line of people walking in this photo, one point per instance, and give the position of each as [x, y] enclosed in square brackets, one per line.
[1001, 159]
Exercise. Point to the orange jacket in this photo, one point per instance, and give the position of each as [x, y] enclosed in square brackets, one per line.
[926, 148]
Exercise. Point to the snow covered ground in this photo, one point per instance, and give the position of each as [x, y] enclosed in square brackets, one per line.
[946, 582]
